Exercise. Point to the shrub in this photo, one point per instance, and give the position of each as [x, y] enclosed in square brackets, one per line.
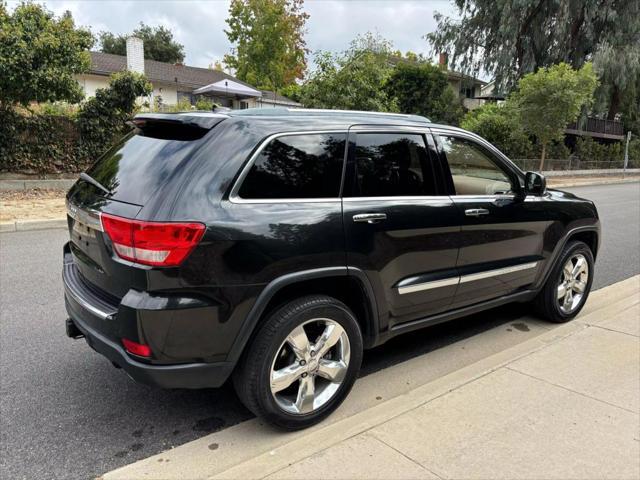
[423, 89]
[183, 105]
[103, 117]
[634, 153]
[204, 103]
[607, 155]
[499, 125]
[52, 138]
[39, 143]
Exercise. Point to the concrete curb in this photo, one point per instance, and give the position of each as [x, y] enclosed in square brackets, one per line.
[56, 184]
[25, 225]
[601, 172]
[252, 450]
[590, 184]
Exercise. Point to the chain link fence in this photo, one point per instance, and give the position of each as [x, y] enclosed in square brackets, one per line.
[527, 164]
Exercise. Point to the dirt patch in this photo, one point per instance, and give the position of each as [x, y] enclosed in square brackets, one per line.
[36, 204]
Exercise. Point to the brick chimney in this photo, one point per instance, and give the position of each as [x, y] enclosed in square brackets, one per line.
[443, 60]
[135, 55]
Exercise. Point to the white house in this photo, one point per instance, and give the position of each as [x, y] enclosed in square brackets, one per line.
[175, 82]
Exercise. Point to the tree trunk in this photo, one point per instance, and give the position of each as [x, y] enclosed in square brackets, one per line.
[614, 104]
[544, 150]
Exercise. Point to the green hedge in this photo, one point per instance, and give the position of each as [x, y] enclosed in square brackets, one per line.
[58, 140]
[40, 144]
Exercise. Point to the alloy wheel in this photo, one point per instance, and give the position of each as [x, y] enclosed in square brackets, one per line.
[310, 366]
[573, 283]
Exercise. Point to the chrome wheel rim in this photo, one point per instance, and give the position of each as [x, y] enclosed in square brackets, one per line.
[310, 366]
[573, 283]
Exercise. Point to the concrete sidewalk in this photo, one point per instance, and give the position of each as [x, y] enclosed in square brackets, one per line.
[563, 404]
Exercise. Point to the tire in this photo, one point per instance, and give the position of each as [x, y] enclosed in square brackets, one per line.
[279, 346]
[548, 302]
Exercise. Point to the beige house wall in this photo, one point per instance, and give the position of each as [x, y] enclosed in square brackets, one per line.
[169, 94]
[90, 83]
[469, 103]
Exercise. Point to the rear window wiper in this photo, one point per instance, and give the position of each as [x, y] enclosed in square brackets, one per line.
[95, 183]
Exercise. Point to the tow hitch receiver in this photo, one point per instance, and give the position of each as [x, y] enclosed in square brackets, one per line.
[73, 331]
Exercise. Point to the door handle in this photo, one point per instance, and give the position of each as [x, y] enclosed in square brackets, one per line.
[476, 212]
[369, 217]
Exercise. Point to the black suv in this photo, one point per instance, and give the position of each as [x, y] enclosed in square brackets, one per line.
[273, 246]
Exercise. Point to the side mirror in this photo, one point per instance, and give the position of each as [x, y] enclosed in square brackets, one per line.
[534, 184]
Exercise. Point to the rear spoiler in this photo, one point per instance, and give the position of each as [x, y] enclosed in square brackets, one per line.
[188, 125]
[196, 119]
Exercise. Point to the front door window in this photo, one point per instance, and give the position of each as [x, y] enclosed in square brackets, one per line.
[473, 171]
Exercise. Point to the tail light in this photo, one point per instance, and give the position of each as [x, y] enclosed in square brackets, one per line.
[136, 348]
[163, 244]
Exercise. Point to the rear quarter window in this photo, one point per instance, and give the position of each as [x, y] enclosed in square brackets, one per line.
[137, 166]
[301, 166]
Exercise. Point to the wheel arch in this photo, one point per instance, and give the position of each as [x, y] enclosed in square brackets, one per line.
[588, 234]
[347, 284]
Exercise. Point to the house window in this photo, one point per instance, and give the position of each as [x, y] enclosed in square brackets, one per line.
[467, 92]
[244, 105]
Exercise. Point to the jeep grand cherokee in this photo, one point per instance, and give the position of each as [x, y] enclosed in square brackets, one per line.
[272, 246]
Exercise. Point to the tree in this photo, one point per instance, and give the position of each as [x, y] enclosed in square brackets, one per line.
[618, 68]
[104, 116]
[159, 44]
[551, 98]
[353, 80]
[268, 36]
[39, 56]
[511, 38]
[423, 89]
[500, 125]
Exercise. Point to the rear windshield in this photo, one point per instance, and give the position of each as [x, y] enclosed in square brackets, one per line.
[138, 165]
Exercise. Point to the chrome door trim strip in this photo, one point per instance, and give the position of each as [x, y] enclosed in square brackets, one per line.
[428, 285]
[419, 287]
[499, 271]
[401, 198]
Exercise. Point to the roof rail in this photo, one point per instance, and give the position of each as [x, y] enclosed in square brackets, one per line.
[286, 111]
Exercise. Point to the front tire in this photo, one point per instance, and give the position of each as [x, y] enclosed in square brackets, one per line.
[302, 363]
[568, 286]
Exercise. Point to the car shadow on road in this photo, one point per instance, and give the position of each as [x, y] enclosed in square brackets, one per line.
[141, 421]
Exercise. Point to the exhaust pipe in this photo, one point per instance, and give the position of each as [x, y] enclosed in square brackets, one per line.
[73, 331]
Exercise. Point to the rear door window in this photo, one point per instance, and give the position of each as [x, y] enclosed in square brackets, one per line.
[392, 164]
[304, 166]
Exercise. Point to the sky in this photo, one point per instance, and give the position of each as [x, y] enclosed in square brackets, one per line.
[199, 24]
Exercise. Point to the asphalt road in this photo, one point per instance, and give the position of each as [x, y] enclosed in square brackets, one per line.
[65, 412]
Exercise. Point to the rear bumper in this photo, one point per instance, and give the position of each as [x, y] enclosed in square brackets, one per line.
[87, 311]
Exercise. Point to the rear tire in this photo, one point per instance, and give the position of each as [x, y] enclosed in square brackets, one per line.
[568, 286]
[302, 362]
